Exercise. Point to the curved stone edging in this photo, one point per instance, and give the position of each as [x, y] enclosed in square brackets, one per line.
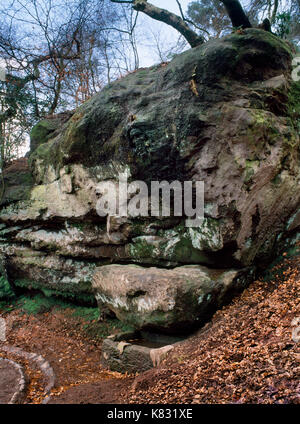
[19, 393]
[40, 362]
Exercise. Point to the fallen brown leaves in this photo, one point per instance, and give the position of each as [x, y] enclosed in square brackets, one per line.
[244, 355]
[59, 338]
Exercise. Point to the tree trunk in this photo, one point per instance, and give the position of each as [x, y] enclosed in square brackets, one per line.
[236, 14]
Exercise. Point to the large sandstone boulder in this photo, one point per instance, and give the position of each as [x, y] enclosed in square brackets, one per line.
[163, 299]
[222, 113]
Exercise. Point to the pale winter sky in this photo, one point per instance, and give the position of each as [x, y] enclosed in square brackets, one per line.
[171, 4]
[167, 34]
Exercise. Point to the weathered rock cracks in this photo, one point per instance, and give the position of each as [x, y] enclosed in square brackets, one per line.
[219, 113]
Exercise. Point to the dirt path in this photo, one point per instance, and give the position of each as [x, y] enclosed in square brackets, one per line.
[106, 392]
[74, 357]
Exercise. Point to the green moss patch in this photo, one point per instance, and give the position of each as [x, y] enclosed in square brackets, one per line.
[88, 317]
[6, 292]
[69, 295]
[294, 104]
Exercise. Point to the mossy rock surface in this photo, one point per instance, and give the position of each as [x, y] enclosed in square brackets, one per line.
[45, 129]
[132, 120]
[6, 292]
[18, 182]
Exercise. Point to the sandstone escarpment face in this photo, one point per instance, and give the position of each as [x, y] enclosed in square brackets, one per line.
[222, 113]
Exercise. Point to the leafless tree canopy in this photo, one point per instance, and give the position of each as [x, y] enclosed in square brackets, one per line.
[58, 53]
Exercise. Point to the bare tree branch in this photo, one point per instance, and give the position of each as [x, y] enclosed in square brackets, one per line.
[180, 8]
[276, 4]
[168, 18]
[233, 7]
